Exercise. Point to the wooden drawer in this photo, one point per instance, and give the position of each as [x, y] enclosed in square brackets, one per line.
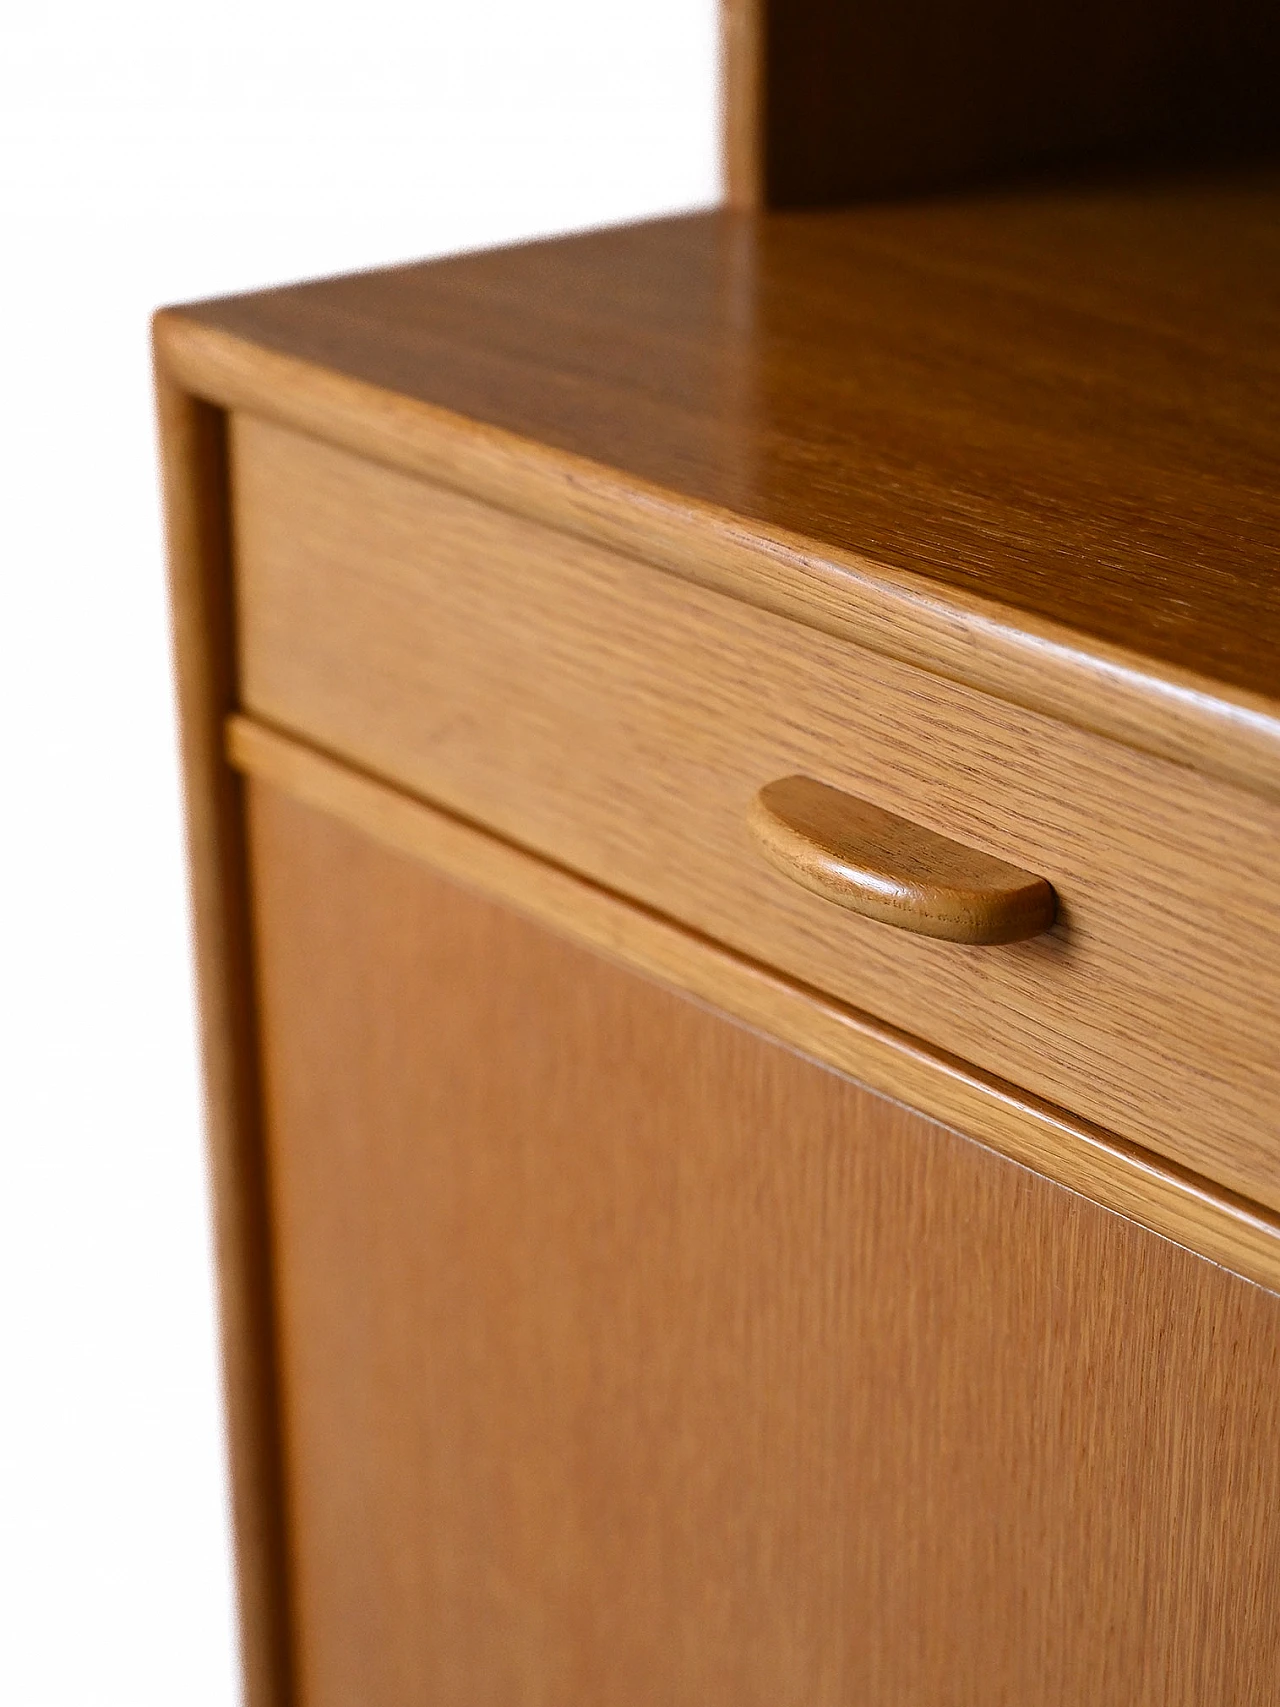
[620, 720]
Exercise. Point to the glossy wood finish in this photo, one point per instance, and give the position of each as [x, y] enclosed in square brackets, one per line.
[1028, 441]
[194, 466]
[886, 868]
[1133, 1182]
[628, 1357]
[828, 100]
[622, 721]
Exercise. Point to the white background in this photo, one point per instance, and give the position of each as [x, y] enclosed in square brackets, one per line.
[152, 153]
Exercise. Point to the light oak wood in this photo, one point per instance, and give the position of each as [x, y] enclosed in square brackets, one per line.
[622, 721]
[829, 100]
[1028, 441]
[193, 447]
[628, 1357]
[896, 872]
[1122, 1177]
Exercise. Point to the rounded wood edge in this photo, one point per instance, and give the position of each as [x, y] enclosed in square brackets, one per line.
[1031, 663]
[1008, 905]
[1206, 1219]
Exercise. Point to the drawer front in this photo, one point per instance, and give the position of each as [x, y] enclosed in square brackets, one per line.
[621, 721]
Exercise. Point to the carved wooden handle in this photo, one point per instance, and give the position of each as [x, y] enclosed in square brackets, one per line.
[890, 869]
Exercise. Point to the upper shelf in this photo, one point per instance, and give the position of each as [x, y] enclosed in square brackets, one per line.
[1055, 412]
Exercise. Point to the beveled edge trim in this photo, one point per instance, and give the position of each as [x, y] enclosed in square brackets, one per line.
[1036, 664]
[1123, 1177]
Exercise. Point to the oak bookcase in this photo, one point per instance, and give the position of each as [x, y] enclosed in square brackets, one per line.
[733, 782]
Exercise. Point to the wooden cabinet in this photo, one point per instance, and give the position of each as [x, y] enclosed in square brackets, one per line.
[648, 1275]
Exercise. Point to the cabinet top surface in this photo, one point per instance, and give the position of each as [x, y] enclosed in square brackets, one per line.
[1065, 401]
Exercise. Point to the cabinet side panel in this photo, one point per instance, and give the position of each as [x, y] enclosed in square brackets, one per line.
[628, 1357]
[740, 129]
[193, 451]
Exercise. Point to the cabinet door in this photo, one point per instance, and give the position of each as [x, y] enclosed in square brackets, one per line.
[628, 1357]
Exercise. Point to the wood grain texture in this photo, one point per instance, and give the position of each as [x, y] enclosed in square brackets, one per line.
[622, 721]
[193, 452]
[1029, 441]
[628, 1357]
[858, 99]
[889, 869]
[1123, 1177]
